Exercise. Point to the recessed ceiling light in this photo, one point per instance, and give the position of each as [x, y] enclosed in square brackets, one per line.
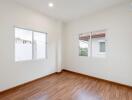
[51, 4]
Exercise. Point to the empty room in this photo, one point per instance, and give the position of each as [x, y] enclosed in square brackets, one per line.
[65, 49]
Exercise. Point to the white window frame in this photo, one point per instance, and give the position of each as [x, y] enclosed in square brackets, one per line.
[90, 49]
[33, 58]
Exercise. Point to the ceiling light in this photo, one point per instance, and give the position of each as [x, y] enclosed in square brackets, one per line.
[51, 4]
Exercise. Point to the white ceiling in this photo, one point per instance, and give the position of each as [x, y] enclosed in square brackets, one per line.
[67, 10]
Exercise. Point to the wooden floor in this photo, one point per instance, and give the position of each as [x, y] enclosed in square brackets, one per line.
[68, 86]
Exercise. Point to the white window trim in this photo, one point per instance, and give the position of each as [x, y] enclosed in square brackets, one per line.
[90, 44]
[33, 59]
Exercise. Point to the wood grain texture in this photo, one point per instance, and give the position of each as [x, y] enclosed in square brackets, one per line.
[68, 86]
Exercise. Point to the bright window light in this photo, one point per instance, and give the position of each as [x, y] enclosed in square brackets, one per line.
[30, 45]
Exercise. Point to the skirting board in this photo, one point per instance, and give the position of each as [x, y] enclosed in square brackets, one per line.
[13, 88]
[98, 78]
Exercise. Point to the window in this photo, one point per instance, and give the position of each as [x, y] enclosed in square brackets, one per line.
[23, 44]
[84, 44]
[29, 45]
[39, 45]
[102, 47]
[92, 44]
[98, 44]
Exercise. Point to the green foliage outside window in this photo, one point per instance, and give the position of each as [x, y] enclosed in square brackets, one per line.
[83, 52]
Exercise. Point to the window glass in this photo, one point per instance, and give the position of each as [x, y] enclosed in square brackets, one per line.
[39, 45]
[102, 46]
[84, 44]
[23, 44]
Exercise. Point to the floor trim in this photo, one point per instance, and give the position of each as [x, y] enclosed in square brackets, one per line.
[98, 78]
[18, 86]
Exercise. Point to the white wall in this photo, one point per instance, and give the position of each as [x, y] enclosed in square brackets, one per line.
[117, 66]
[11, 73]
